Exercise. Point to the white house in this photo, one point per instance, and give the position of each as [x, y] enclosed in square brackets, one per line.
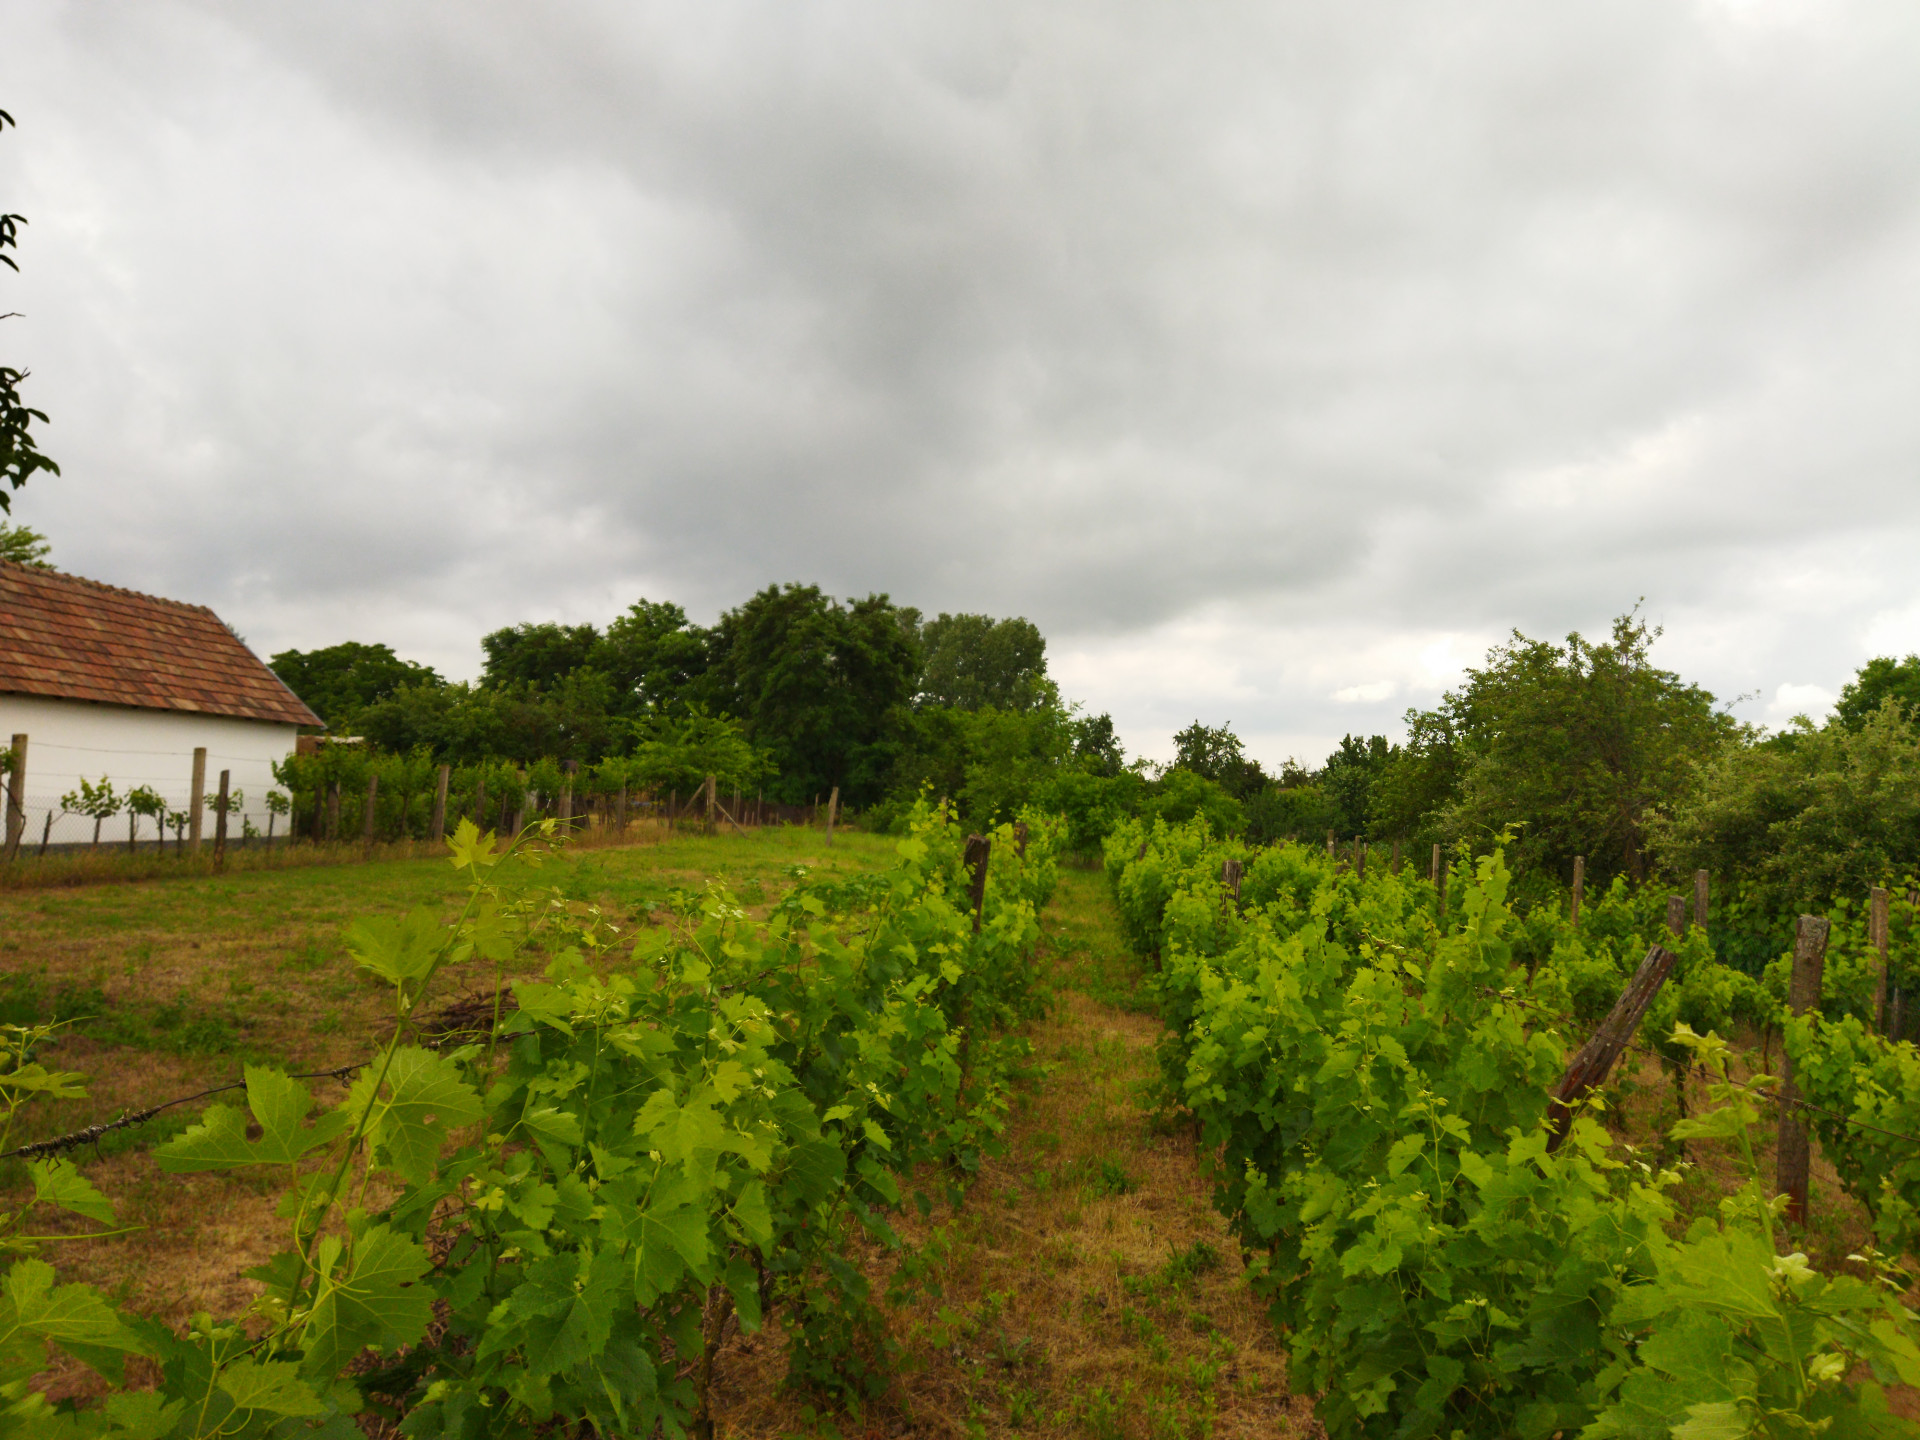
[108, 683]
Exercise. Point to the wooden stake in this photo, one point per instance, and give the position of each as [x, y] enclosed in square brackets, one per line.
[1396, 855]
[333, 811]
[16, 796]
[1878, 937]
[437, 828]
[1440, 886]
[1579, 884]
[566, 794]
[833, 805]
[1433, 870]
[710, 804]
[366, 823]
[220, 823]
[1803, 994]
[1588, 1070]
[1020, 842]
[1700, 898]
[1230, 872]
[199, 795]
[1676, 915]
[978, 849]
[1359, 858]
[46, 832]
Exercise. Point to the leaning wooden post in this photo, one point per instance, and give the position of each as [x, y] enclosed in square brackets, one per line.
[437, 830]
[1877, 936]
[1230, 872]
[366, 821]
[978, 848]
[1700, 898]
[1589, 1069]
[833, 806]
[220, 823]
[1579, 884]
[198, 798]
[16, 796]
[1803, 994]
[1676, 915]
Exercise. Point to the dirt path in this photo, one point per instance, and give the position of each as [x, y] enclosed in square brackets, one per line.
[1090, 1288]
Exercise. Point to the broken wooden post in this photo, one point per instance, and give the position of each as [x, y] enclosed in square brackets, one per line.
[1878, 938]
[366, 821]
[1676, 915]
[1579, 884]
[198, 798]
[975, 859]
[1700, 898]
[1589, 1069]
[1230, 871]
[438, 828]
[1803, 994]
[220, 823]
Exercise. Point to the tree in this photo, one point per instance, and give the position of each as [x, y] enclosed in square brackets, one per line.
[653, 656]
[1875, 683]
[677, 753]
[1347, 780]
[822, 686]
[340, 681]
[1097, 747]
[1580, 746]
[20, 455]
[540, 655]
[1216, 754]
[974, 662]
[21, 546]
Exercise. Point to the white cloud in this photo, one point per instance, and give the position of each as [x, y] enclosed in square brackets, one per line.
[1370, 693]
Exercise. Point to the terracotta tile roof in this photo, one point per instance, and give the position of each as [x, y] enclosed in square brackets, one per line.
[73, 639]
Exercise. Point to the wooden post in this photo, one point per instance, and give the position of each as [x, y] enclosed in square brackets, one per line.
[1579, 884]
[1676, 915]
[1433, 870]
[1359, 858]
[1396, 855]
[46, 832]
[133, 823]
[220, 823]
[620, 810]
[1440, 883]
[978, 848]
[833, 807]
[1589, 1069]
[366, 821]
[1330, 845]
[1230, 872]
[710, 803]
[1700, 898]
[333, 811]
[566, 793]
[1878, 937]
[16, 796]
[1803, 994]
[480, 803]
[1020, 843]
[437, 827]
[198, 799]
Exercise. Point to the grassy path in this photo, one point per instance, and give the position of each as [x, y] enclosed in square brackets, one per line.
[1089, 1288]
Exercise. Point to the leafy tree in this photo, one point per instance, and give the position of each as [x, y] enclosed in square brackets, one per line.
[1581, 746]
[822, 686]
[20, 455]
[1298, 812]
[340, 681]
[1833, 811]
[1348, 778]
[1181, 794]
[677, 753]
[1877, 682]
[21, 546]
[1097, 747]
[974, 662]
[1216, 754]
[540, 655]
[1412, 791]
[653, 656]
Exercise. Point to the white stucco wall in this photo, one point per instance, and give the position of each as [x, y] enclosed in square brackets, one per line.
[68, 739]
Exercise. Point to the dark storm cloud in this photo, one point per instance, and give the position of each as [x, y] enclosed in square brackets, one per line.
[1274, 359]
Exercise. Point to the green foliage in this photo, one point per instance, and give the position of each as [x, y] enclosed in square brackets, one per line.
[679, 754]
[1215, 753]
[22, 546]
[653, 656]
[536, 655]
[666, 1128]
[1373, 1081]
[1880, 680]
[20, 455]
[974, 662]
[340, 681]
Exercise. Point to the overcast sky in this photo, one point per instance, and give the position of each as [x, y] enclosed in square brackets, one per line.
[1274, 358]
